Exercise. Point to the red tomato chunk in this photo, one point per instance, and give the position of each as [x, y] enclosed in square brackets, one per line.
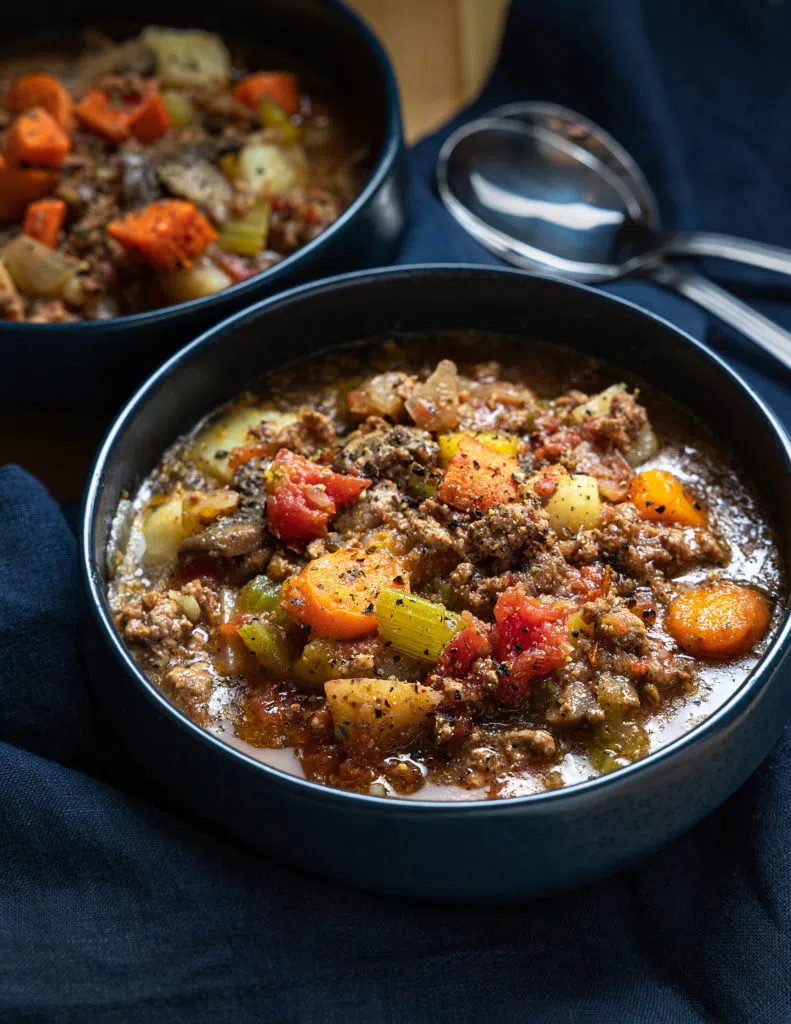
[304, 496]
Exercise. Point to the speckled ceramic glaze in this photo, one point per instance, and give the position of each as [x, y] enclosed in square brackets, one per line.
[478, 851]
[101, 362]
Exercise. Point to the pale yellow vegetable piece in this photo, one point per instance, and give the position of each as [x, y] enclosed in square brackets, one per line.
[644, 446]
[164, 529]
[187, 603]
[269, 168]
[200, 508]
[170, 522]
[215, 442]
[393, 712]
[498, 441]
[36, 269]
[598, 405]
[188, 57]
[575, 504]
[202, 278]
[179, 107]
[578, 627]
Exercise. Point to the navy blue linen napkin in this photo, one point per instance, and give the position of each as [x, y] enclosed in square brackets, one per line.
[111, 909]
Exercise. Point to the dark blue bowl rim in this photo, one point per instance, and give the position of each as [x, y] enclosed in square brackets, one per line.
[393, 140]
[719, 720]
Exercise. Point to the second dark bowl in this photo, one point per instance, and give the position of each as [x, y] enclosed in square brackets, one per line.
[480, 851]
[102, 362]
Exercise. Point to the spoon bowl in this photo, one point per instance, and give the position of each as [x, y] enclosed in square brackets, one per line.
[541, 200]
[547, 190]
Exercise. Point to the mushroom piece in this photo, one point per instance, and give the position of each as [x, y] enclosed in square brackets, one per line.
[228, 538]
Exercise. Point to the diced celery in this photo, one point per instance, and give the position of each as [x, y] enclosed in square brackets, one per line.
[319, 663]
[414, 625]
[273, 116]
[268, 643]
[617, 741]
[259, 597]
[498, 441]
[247, 236]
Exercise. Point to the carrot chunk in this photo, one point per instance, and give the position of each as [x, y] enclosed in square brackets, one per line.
[662, 498]
[150, 120]
[478, 478]
[169, 235]
[43, 91]
[719, 620]
[44, 220]
[99, 114]
[336, 594]
[20, 186]
[280, 86]
[36, 139]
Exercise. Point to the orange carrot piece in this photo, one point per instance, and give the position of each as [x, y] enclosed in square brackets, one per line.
[662, 498]
[150, 120]
[43, 91]
[280, 86]
[44, 220]
[719, 620]
[36, 139]
[478, 478]
[20, 186]
[169, 235]
[336, 594]
[98, 114]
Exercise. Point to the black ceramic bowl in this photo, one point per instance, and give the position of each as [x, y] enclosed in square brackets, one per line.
[479, 851]
[102, 362]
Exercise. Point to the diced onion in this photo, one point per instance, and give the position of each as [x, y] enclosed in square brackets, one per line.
[187, 603]
[434, 405]
[644, 446]
[36, 269]
[414, 625]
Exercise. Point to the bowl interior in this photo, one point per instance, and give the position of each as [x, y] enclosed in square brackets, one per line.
[308, 320]
[320, 38]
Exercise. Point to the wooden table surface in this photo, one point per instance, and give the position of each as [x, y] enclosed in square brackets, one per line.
[442, 51]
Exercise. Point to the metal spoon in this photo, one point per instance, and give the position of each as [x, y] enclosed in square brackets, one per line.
[588, 135]
[540, 201]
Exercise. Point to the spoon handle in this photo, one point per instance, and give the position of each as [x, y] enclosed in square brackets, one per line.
[728, 247]
[760, 330]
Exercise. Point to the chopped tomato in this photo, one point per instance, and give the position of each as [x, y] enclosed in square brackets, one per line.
[304, 496]
[530, 639]
[589, 581]
[234, 624]
[468, 644]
